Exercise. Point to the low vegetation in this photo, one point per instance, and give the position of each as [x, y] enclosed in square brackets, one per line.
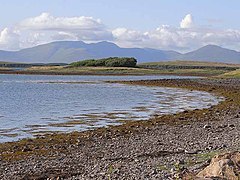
[129, 66]
[231, 74]
[5, 69]
[83, 70]
[192, 63]
[13, 65]
[107, 62]
[198, 68]
[172, 65]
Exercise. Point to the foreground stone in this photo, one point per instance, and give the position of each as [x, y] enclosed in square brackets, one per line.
[223, 166]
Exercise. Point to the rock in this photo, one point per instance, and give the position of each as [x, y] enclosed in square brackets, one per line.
[231, 125]
[207, 126]
[181, 162]
[192, 151]
[26, 149]
[181, 118]
[223, 146]
[223, 166]
[222, 126]
[209, 148]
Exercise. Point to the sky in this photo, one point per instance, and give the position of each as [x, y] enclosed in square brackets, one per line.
[161, 24]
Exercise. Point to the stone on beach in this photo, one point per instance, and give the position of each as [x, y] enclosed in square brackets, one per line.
[223, 166]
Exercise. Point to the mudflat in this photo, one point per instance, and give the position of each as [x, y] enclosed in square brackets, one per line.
[164, 147]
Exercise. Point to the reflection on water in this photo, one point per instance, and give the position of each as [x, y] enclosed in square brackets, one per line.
[34, 105]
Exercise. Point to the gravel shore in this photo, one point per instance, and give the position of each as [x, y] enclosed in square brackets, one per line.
[165, 147]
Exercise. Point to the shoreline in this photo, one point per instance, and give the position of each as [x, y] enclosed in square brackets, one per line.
[79, 143]
[11, 72]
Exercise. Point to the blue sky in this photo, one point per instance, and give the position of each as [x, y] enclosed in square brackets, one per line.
[140, 14]
[137, 18]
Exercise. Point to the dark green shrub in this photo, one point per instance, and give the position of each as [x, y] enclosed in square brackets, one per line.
[107, 62]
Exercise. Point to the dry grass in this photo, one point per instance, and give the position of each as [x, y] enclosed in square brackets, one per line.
[120, 71]
[4, 69]
[203, 69]
[232, 74]
[40, 68]
[192, 63]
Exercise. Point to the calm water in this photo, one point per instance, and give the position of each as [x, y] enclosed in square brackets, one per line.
[34, 105]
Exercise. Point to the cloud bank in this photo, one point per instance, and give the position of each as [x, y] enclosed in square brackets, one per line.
[47, 28]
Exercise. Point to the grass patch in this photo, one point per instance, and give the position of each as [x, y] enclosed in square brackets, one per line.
[181, 68]
[66, 70]
[192, 63]
[205, 156]
[192, 67]
[5, 69]
[232, 74]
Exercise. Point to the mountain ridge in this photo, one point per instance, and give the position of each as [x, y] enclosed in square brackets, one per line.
[69, 51]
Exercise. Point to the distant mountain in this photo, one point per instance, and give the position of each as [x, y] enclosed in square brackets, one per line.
[69, 51]
[212, 53]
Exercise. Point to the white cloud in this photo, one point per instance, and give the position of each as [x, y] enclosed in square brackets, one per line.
[65, 28]
[126, 34]
[46, 28]
[181, 39]
[59, 36]
[187, 21]
[129, 38]
[29, 39]
[45, 21]
[9, 39]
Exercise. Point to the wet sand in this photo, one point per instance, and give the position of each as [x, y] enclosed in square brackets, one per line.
[163, 147]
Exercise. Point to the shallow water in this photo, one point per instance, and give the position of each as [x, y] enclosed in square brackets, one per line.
[32, 105]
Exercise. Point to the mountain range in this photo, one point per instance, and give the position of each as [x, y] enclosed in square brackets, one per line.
[69, 51]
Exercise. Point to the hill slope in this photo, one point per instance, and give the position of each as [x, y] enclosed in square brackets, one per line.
[212, 53]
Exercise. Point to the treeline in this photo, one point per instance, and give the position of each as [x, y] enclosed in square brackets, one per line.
[12, 65]
[19, 65]
[107, 62]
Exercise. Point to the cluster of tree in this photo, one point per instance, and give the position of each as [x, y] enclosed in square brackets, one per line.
[107, 62]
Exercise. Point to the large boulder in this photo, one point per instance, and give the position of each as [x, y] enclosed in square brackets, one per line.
[223, 166]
